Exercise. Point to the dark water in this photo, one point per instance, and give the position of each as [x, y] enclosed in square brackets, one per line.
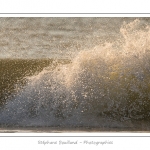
[14, 72]
[103, 83]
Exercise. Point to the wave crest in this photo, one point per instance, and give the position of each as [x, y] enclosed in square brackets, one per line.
[110, 81]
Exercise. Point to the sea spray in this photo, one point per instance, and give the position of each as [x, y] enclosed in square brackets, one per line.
[99, 87]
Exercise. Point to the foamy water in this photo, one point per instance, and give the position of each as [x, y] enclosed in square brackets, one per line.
[106, 85]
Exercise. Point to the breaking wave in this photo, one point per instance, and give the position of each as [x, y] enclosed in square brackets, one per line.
[104, 86]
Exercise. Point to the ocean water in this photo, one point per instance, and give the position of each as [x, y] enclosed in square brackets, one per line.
[75, 72]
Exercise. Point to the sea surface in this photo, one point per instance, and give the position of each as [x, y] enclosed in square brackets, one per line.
[75, 74]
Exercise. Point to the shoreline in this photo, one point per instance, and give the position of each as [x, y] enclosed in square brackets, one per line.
[70, 130]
